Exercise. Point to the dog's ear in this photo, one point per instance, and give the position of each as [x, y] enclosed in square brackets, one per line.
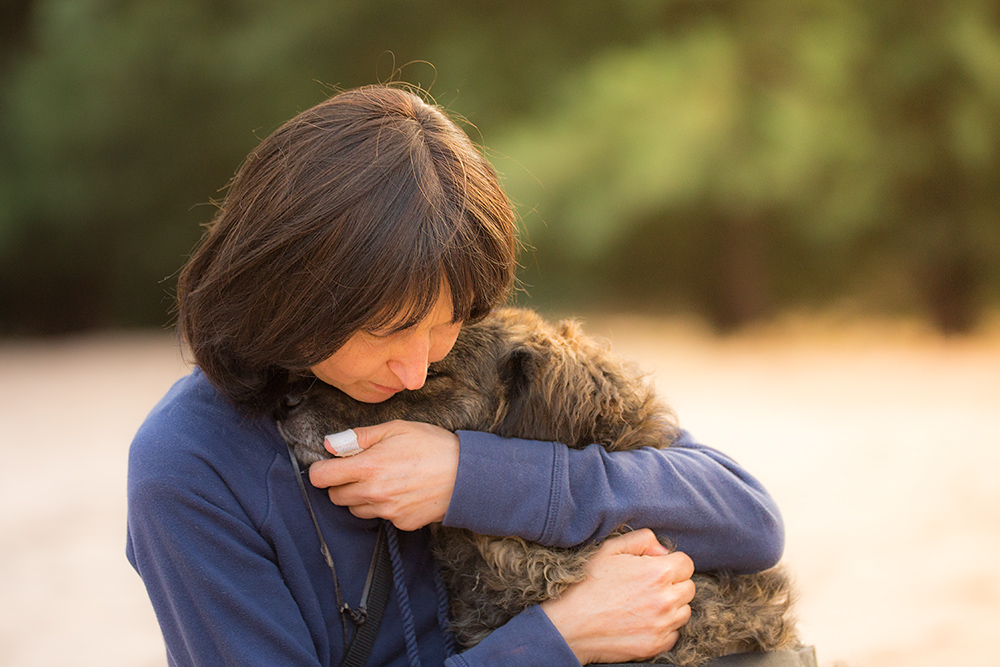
[565, 389]
[518, 370]
[545, 394]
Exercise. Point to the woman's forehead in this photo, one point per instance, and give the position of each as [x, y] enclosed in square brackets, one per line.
[435, 308]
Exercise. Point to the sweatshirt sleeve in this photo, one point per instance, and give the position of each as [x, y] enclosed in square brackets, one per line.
[527, 640]
[694, 497]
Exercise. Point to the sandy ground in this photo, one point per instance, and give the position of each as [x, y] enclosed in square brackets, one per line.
[880, 442]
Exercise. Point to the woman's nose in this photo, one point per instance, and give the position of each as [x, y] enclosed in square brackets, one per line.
[410, 367]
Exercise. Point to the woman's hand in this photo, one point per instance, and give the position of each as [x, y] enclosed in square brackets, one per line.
[631, 604]
[406, 475]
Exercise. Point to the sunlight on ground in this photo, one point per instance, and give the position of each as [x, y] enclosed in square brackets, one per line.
[880, 442]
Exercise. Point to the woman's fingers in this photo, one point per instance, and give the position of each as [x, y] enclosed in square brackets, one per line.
[406, 474]
[631, 604]
[642, 542]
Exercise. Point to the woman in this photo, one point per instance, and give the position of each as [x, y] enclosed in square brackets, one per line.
[352, 245]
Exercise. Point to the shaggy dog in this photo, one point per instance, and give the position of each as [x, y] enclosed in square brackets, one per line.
[516, 375]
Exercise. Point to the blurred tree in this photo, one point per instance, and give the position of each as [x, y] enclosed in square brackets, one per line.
[14, 28]
[120, 118]
[932, 79]
[725, 157]
[722, 133]
[111, 124]
[746, 157]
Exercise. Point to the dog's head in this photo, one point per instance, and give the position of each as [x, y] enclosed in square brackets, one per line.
[465, 390]
[512, 374]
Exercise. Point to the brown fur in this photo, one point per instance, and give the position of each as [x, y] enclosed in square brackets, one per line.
[516, 375]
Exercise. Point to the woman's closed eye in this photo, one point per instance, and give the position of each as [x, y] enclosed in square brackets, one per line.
[435, 372]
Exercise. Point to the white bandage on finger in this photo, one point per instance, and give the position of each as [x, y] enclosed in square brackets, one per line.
[344, 443]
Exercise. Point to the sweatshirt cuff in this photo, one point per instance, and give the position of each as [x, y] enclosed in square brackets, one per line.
[507, 486]
[527, 640]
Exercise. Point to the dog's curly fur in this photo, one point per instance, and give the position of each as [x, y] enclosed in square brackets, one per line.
[516, 375]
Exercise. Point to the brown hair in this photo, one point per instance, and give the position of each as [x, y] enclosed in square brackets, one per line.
[350, 216]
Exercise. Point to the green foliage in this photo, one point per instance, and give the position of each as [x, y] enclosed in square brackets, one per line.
[787, 144]
[729, 158]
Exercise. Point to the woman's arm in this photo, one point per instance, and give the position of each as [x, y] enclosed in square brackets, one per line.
[695, 497]
[629, 607]
[698, 499]
[388, 480]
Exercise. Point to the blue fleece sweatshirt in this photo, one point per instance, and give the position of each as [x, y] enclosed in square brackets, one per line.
[220, 534]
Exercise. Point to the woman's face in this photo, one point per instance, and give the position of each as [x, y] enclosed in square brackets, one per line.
[371, 367]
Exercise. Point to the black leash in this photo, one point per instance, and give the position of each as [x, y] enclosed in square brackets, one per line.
[373, 601]
[367, 616]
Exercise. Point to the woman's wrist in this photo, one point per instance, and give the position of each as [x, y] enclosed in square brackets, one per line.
[506, 645]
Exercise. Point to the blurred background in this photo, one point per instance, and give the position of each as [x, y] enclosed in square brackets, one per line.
[731, 160]
[788, 211]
